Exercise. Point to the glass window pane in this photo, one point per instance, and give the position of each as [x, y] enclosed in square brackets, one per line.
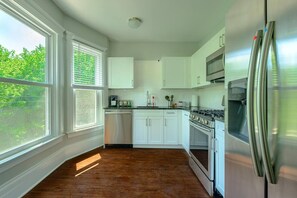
[22, 50]
[86, 108]
[87, 66]
[23, 111]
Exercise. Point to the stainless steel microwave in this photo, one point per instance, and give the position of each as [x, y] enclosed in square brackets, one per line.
[215, 64]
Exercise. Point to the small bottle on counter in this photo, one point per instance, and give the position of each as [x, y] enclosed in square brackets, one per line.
[153, 101]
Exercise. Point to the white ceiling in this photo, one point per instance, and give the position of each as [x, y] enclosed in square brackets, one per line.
[163, 20]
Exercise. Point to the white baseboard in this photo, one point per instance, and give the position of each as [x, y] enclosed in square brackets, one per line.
[161, 146]
[23, 183]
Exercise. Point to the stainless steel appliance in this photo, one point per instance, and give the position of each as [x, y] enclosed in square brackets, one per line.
[261, 45]
[202, 145]
[118, 128]
[215, 66]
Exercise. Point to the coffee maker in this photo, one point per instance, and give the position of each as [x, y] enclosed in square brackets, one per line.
[113, 100]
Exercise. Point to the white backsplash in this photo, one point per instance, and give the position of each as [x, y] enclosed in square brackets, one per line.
[148, 77]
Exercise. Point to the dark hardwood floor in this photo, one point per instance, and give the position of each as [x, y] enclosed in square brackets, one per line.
[123, 173]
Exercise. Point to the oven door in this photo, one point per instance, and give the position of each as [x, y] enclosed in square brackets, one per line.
[202, 148]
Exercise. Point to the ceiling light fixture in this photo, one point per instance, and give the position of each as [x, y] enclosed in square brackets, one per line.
[134, 22]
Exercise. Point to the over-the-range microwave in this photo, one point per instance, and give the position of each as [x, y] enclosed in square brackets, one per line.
[215, 64]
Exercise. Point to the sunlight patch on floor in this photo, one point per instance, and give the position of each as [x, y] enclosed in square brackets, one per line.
[87, 162]
[78, 174]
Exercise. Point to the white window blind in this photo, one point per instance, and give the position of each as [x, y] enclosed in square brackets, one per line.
[87, 65]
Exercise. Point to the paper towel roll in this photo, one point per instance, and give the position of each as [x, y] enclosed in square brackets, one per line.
[194, 102]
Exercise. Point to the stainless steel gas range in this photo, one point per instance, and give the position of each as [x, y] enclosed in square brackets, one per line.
[202, 136]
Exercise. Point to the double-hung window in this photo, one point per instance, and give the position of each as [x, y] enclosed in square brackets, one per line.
[26, 83]
[87, 84]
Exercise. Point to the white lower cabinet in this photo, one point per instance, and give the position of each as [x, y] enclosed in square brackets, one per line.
[186, 130]
[155, 129]
[170, 127]
[140, 129]
[220, 156]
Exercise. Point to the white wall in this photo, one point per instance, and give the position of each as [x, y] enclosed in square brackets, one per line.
[148, 77]
[86, 33]
[151, 50]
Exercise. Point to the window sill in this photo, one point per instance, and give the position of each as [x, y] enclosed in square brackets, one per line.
[84, 131]
[26, 154]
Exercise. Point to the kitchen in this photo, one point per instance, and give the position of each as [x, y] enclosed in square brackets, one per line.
[148, 83]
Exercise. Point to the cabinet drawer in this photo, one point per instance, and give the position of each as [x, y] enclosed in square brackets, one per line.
[148, 113]
[170, 112]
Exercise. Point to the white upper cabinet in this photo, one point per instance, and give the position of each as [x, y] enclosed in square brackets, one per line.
[198, 60]
[215, 42]
[120, 72]
[176, 72]
[198, 69]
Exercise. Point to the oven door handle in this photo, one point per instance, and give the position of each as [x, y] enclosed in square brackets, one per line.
[202, 129]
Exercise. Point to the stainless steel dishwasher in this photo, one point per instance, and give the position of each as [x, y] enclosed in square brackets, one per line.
[118, 128]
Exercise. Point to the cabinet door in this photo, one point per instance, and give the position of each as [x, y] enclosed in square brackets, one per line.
[198, 60]
[155, 130]
[220, 157]
[120, 72]
[198, 69]
[216, 42]
[170, 130]
[140, 128]
[176, 72]
[186, 130]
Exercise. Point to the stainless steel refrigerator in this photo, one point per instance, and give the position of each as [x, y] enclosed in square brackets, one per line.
[261, 116]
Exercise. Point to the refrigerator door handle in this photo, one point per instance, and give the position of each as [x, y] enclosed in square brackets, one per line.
[250, 103]
[261, 103]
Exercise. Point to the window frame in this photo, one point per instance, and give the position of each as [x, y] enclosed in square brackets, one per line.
[49, 83]
[97, 88]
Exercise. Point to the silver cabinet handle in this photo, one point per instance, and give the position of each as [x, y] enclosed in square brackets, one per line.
[165, 122]
[250, 103]
[150, 122]
[215, 145]
[220, 41]
[223, 41]
[261, 103]
[146, 122]
[223, 60]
